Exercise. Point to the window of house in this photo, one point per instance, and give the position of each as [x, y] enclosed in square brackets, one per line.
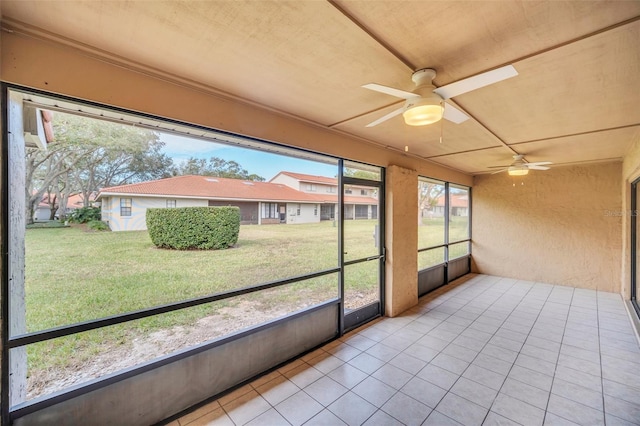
[125, 206]
[269, 210]
[298, 210]
[311, 187]
[348, 191]
[171, 203]
[331, 189]
[363, 192]
[315, 210]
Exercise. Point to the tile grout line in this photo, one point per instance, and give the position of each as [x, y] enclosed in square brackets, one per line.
[520, 350]
[489, 288]
[604, 407]
[492, 335]
[553, 379]
[414, 375]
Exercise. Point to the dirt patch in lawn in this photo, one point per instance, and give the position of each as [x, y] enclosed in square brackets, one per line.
[145, 347]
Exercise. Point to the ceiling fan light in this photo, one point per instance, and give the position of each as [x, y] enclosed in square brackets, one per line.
[423, 112]
[518, 170]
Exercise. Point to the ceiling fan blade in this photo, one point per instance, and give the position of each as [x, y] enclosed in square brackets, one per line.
[476, 82]
[540, 163]
[500, 171]
[534, 167]
[386, 117]
[390, 91]
[453, 114]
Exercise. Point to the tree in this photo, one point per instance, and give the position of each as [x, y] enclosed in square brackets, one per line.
[428, 194]
[90, 154]
[44, 169]
[216, 167]
[361, 174]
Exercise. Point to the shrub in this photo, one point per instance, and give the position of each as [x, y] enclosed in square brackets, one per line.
[97, 225]
[194, 227]
[85, 215]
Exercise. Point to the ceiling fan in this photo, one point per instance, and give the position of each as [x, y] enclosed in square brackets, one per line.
[520, 168]
[425, 105]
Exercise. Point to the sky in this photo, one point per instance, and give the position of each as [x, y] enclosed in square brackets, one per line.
[264, 164]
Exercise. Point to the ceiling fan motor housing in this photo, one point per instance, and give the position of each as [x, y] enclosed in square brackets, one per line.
[428, 107]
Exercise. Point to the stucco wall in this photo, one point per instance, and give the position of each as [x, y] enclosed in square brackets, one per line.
[401, 289]
[563, 226]
[139, 206]
[306, 213]
[287, 180]
[54, 67]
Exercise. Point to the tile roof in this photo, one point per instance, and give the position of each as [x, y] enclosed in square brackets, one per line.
[74, 201]
[461, 200]
[309, 178]
[211, 187]
[226, 189]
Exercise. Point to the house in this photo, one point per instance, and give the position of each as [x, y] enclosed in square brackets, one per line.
[360, 202]
[75, 201]
[287, 198]
[124, 207]
[458, 204]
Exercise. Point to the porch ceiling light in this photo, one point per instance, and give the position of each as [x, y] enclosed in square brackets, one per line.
[423, 111]
[518, 170]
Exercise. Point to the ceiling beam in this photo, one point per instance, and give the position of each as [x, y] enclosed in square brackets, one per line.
[590, 132]
[555, 165]
[413, 67]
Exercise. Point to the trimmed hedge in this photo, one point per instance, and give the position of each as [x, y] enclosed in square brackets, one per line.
[85, 214]
[187, 228]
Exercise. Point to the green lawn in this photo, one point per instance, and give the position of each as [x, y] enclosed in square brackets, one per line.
[73, 275]
[431, 233]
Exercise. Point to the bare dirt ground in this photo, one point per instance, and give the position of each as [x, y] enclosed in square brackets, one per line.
[116, 357]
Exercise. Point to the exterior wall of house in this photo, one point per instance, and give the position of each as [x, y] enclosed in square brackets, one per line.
[356, 191]
[327, 189]
[557, 228]
[288, 181]
[303, 213]
[249, 212]
[137, 221]
[41, 214]
[318, 188]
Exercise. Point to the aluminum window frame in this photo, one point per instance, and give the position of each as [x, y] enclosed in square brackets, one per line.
[447, 243]
[635, 186]
[11, 413]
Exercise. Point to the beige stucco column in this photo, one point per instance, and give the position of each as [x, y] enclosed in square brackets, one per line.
[401, 290]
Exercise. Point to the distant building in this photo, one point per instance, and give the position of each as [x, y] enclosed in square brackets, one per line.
[43, 210]
[459, 204]
[288, 198]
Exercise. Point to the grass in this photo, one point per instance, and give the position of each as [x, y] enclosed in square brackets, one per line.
[73, 276]
[431, 233]
[47, 225]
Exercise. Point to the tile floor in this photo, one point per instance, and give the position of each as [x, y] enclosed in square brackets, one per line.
[485, 350]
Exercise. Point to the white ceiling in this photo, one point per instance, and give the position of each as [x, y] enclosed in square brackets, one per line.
[576, 98]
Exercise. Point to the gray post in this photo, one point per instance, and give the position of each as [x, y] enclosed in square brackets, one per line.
[17, 223]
